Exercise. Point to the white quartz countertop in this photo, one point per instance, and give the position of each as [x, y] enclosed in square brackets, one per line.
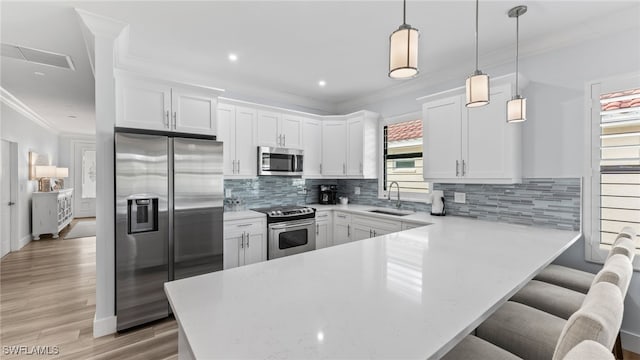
[412, 294]
[243, 215]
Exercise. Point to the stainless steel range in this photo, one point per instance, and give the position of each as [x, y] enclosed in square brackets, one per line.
[290, 230]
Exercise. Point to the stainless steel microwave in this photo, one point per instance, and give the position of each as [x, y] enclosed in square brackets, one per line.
[279, 161]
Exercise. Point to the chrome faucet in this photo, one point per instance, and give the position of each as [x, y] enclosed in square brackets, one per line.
[389, 193]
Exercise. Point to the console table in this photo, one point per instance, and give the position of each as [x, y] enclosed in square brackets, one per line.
[51, 212]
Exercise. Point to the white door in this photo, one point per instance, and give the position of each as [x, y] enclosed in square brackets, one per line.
[5, 184]
[226, 120]
[268, 132]
[84, 172]
[193, 112]
[334, 148]
[355, 128]
[488, 159]
[291, 131]
[442, 133]
[231, 250]
[254, 247]
[312, 147]
[143, 105]
[246, 150]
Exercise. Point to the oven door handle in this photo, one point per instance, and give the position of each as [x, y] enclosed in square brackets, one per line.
[281, 227]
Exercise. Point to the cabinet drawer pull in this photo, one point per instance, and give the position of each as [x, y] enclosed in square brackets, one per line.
[243, 225]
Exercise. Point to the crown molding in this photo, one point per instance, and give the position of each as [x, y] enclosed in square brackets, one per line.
[99, 25]
[24, 110]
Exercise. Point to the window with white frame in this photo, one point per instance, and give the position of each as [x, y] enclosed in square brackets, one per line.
[402, 159]
[616, 185]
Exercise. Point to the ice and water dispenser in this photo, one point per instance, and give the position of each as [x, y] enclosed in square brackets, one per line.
[142, 215]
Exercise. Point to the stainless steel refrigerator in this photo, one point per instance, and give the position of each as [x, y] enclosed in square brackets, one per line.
[169, 204]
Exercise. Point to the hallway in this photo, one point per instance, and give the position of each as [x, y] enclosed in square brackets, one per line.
[47, 301]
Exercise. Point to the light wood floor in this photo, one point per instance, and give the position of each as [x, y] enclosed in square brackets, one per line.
[47, 298]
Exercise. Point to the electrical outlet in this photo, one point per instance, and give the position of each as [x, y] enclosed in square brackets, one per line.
[459, 197]
[227, 193]
[356, 190]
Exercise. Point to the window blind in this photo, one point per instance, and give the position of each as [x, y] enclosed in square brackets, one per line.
[619, 164]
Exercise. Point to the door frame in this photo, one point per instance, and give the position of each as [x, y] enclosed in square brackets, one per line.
[77, 166]
[14, 242]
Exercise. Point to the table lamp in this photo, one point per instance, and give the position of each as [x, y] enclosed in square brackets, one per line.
[61, 173]
[44, 175]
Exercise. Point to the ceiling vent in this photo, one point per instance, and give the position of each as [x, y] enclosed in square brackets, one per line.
[37, 56]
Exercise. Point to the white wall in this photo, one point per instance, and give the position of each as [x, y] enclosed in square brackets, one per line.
[553, 136]
[30, 137]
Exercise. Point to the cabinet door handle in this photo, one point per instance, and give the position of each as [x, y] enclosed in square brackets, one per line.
[280, 139]
[370, 233]
[457, 171]
[348, 230]
[344, 168]
[11, 203]
[167, 119]
[248, 236]
[464, 168]
[233, 163]
[174, 119]
[374, 233]
[242, 242]
[317, 229]
[284, 139]
[320, 168]
[238, 161]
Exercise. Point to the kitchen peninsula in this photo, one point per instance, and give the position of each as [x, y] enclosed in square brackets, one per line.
[410, 294]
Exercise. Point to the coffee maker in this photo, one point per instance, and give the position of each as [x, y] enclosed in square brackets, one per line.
[328, 194]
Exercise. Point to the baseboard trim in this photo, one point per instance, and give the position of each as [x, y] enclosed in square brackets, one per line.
[104, 326]
[24, 241]
[630, 341]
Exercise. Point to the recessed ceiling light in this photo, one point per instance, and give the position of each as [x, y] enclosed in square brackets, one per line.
[233, 57]
[38, 73]
[322, 83]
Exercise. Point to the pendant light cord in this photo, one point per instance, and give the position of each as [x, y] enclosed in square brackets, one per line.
[404, 12]
[477, 7]
[517, 51]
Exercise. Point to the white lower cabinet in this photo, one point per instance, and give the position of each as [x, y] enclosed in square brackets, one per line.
[324, 229]
[245, 242]
[366, 227]
[341, 228]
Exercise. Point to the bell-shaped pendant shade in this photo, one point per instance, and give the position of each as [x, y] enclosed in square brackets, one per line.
[517, 109]
[477, 89]
[403, 52]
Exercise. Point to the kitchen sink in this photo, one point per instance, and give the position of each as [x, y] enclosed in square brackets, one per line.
[392, 212]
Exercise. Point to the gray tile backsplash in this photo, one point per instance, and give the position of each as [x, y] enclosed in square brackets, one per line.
[545, 202]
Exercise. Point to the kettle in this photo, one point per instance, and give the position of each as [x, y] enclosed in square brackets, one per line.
[437, 203]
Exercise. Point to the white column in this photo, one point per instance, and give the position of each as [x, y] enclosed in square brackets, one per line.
[105, 33]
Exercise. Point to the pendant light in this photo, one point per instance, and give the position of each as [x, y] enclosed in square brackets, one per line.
[517, 106]
[478, 83]
[403, 50]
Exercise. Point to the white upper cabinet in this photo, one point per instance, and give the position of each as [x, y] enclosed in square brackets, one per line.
[474, 145]
[291, 130]
[143, 104]
[312, 140]
[193, 112]
[160, 105]
[268, 131]
[279, 130]
[334, 148]
[442, 136]
[236, 129]
[362, 145]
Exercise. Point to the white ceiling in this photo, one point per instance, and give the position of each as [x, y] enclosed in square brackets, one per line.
[285, 47]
